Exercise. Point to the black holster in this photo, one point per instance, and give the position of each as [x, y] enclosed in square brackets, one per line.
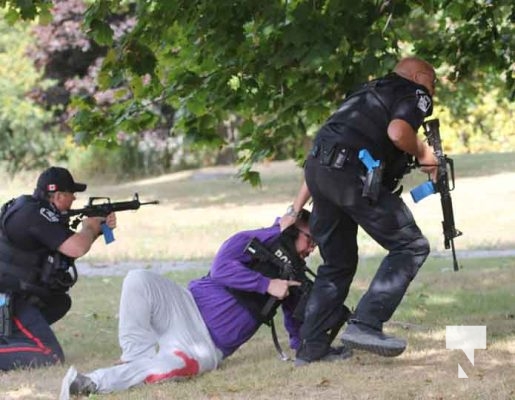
[372, 184]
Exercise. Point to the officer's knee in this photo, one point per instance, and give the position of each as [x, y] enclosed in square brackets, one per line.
[420, 249]
[421, 246]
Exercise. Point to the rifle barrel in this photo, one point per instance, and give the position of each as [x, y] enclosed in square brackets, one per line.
[454, 258]
[149, 202]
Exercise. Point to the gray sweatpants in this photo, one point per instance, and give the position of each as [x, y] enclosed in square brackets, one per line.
[161, 333]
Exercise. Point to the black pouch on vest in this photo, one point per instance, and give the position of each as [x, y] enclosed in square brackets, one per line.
[326, 153]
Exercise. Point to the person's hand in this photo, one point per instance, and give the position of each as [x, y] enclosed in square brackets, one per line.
[286, 221]
[92, 224]
[111, 220]
[280, 288]
[429, 163]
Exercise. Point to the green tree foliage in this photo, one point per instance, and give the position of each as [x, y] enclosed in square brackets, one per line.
[485, 126]
[25, 139]
[63, 52]
[280, 66]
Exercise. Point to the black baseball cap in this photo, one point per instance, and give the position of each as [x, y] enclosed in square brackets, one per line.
[58, 179]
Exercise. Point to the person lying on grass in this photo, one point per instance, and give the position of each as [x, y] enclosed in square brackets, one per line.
[168, 332]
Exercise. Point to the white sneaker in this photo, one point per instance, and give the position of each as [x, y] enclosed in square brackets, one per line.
[67, 381]
[76, 384]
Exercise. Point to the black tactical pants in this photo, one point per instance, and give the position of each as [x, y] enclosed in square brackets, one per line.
[32, 343]
[338, 209]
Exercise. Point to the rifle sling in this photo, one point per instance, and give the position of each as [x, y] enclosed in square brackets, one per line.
[282, 355]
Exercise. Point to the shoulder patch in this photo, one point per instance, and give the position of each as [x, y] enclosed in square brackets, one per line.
[424, 102]
[49, 214]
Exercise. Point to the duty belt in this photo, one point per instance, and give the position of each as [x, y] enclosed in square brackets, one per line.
[334, 154]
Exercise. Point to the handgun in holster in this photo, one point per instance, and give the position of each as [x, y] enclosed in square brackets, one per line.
[6, 309]
[373, 177]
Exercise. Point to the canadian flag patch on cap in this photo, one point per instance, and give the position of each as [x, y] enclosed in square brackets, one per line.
[51, 188]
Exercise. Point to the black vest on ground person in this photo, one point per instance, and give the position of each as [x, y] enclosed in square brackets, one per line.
[36, 273]
[284, 248]
[362, 120]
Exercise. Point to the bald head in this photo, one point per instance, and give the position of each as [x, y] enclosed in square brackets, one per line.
[417, 70]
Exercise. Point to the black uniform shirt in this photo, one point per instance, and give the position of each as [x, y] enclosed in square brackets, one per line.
[363, 118]
[36, 225]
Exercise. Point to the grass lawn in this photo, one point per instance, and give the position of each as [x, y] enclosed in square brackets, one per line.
[480, 295]
[199, 209]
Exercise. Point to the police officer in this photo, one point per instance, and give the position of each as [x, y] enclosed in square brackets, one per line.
[381, 118]
[37, 250]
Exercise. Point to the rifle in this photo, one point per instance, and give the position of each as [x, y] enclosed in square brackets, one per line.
[103, 210]
[287, 271]
[443, 186]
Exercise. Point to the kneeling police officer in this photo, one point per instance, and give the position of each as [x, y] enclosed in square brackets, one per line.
[37, 253]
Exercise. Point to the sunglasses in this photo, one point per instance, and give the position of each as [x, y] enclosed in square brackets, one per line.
[433, 77]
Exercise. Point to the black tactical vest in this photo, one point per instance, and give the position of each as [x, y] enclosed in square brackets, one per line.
[362, 120]
[30, 272]
[284, 248]
[16, 264]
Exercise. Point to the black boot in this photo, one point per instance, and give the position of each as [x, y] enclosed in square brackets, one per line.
[332, 354]
[363, 337]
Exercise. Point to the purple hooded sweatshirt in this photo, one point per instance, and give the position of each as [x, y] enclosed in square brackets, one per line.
[230, 323]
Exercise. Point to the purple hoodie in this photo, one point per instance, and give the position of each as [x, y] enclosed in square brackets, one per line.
[230, 323]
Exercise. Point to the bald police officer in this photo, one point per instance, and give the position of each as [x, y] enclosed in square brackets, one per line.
[379, 119]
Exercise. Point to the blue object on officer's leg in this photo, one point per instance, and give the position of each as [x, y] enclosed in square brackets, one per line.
[422, 191]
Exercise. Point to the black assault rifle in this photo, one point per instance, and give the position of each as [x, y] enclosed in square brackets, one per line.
[103, 210]
[287, 271]
[443, 185]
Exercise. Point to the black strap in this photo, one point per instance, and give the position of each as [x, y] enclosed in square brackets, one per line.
[282, 355]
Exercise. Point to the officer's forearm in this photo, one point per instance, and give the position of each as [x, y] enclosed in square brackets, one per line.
[89, 233]
[302, 197]
[79, 243]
